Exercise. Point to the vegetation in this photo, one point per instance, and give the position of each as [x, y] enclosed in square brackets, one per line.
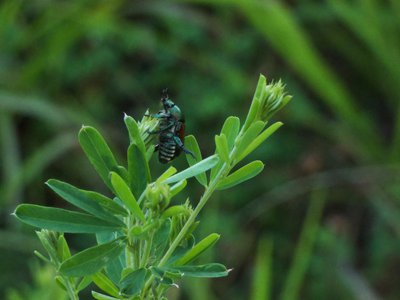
[67, 63]
[143, 243]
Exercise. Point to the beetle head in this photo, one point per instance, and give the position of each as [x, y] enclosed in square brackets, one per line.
[166, 102]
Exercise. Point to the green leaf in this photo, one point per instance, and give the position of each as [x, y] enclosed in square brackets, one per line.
[166, 277]
[255, 103]
[216, 169]
[199, 248]
[231, 129]
[99, 296]
[124, 193]
[177, 187]
[248, 137]
[150, 152]
[98, 152]
[132, 283]
[194, 170]
[244, 173]
[123, 172]
[168, 173]
[139, 173]
[81, 199]
[63, 252]
[173, 211]
[83, 283]
[259, 140]
[109, 204]
[114, 267]
[221, 144]
[192, 145]
[212, 270]
[134, 134]
[92, 260]
[161, 238]
[60, 282]
[62, 220]
[105, 284]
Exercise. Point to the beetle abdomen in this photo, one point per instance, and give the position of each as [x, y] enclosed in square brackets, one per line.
[167, 148]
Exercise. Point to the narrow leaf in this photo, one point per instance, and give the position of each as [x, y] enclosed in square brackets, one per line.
[124, 193]
[84, 282]
[259, 140]
[99, 296]
[216, 169]
[109, 204]
[168, 173]
[248, 137]
[231, 130]
[194, 170]
[81, 199]
[177, 187]
[244, 173]
[62, 220]
[192, 145]
[166, 277]
[150, 152]
[255, 103]
[92, 259]
[199, 248]
[63, 252]
[114, 267]
[98, 152]
[132, 283]
[221, 144]
[174, 211]
[134, 134]
[60, 282]
[212, 270]
[138, 168]
[105, 284]
[123, 172]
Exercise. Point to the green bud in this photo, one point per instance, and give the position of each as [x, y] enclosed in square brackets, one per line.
[267, 100]
[157, 196]
[273, 99]
[179, 215]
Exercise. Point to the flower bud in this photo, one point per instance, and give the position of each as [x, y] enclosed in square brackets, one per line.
[146, 125]
[267, 100]
[157, 196]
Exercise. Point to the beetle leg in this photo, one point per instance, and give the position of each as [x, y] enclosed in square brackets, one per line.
[180, 144]
[160, 115]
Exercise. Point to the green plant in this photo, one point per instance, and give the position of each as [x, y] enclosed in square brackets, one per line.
[144, 245]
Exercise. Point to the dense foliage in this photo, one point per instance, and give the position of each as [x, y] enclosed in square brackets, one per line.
[64, 64]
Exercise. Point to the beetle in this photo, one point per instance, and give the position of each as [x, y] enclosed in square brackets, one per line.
[171, 132]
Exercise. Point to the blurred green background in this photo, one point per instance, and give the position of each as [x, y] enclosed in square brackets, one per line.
[323, 219]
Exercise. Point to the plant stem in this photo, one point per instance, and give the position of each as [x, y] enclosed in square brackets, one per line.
[208, 192]
[73, 295]
[129, 256]
[225, 169]
[146, 252]
[203, 200]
